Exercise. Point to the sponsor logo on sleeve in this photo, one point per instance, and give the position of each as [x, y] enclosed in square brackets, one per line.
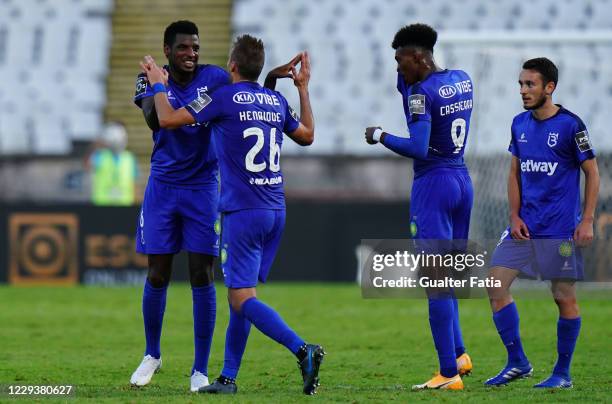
[416, 104]
[243, 97]
[141, 86]
[200, 103]
[202, 91]
[583, 141]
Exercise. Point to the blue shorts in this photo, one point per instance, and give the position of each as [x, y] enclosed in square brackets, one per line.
[174, 219]
[550, 257]
[250, 240]
[441, 205]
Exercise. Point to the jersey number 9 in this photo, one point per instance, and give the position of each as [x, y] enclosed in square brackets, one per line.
[458, 134]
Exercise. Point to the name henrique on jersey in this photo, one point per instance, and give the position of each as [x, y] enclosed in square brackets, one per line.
[445, 98]
[247, 123]
[550, 152]
[184, 156]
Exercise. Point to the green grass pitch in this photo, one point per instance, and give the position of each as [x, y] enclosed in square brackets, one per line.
[92, 338]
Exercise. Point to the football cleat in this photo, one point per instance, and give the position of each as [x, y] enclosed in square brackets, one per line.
[198, 380]
[555, 382]
[145, 371]
[464, 365]
[510, 373]
[309, 366]
[221, 385]
[440, 382]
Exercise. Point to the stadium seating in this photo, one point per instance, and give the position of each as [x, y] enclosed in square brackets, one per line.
[353, 77]
[56, 54]
[54, 60]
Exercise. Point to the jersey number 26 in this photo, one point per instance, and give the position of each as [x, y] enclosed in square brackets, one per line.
[249, 159]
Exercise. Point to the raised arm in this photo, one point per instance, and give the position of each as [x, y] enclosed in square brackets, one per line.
[304, 134]
[282, 71]
[167, 116]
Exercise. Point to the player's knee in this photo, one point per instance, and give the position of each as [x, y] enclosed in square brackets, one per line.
[201, 276]
[201, 271]
[157, 279]
[566, 302]
[160, 268]
[237, 297]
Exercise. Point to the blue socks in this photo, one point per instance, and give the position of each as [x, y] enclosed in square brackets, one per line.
[235, 343]
[153, 308]
[271, 324]
[204, 315]
[458, 337]
[507, 323]
[567, 334]
[441, 314]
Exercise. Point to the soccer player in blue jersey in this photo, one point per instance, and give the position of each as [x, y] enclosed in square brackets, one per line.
[248, 122]
[549, 146]
[179, 211]
[438, 106]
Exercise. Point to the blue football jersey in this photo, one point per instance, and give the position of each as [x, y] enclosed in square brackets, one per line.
[247, 122]
[444, 98]
[184, 156]
[550, 153]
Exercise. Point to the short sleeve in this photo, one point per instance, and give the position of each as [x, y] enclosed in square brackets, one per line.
[512, 147]
[143, 89]
[206, 108]
[583, 149]
[292, 120]
[401, 84]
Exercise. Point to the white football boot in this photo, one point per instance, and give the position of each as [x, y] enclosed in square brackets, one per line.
[198, 380]
[145, 371]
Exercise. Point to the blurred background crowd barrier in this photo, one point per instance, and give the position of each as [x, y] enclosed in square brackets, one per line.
[69, 67]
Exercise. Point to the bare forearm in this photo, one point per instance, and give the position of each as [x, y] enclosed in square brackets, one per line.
[591, 192]
[514, 195]
[162, 106]
[270, 82]
[306, 116]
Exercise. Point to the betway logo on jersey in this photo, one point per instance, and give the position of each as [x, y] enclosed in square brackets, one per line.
[530, 166]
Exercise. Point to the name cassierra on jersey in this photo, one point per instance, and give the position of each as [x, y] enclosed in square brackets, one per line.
[247, 122]
[184, 156]
[444, 98]
[550, 153]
